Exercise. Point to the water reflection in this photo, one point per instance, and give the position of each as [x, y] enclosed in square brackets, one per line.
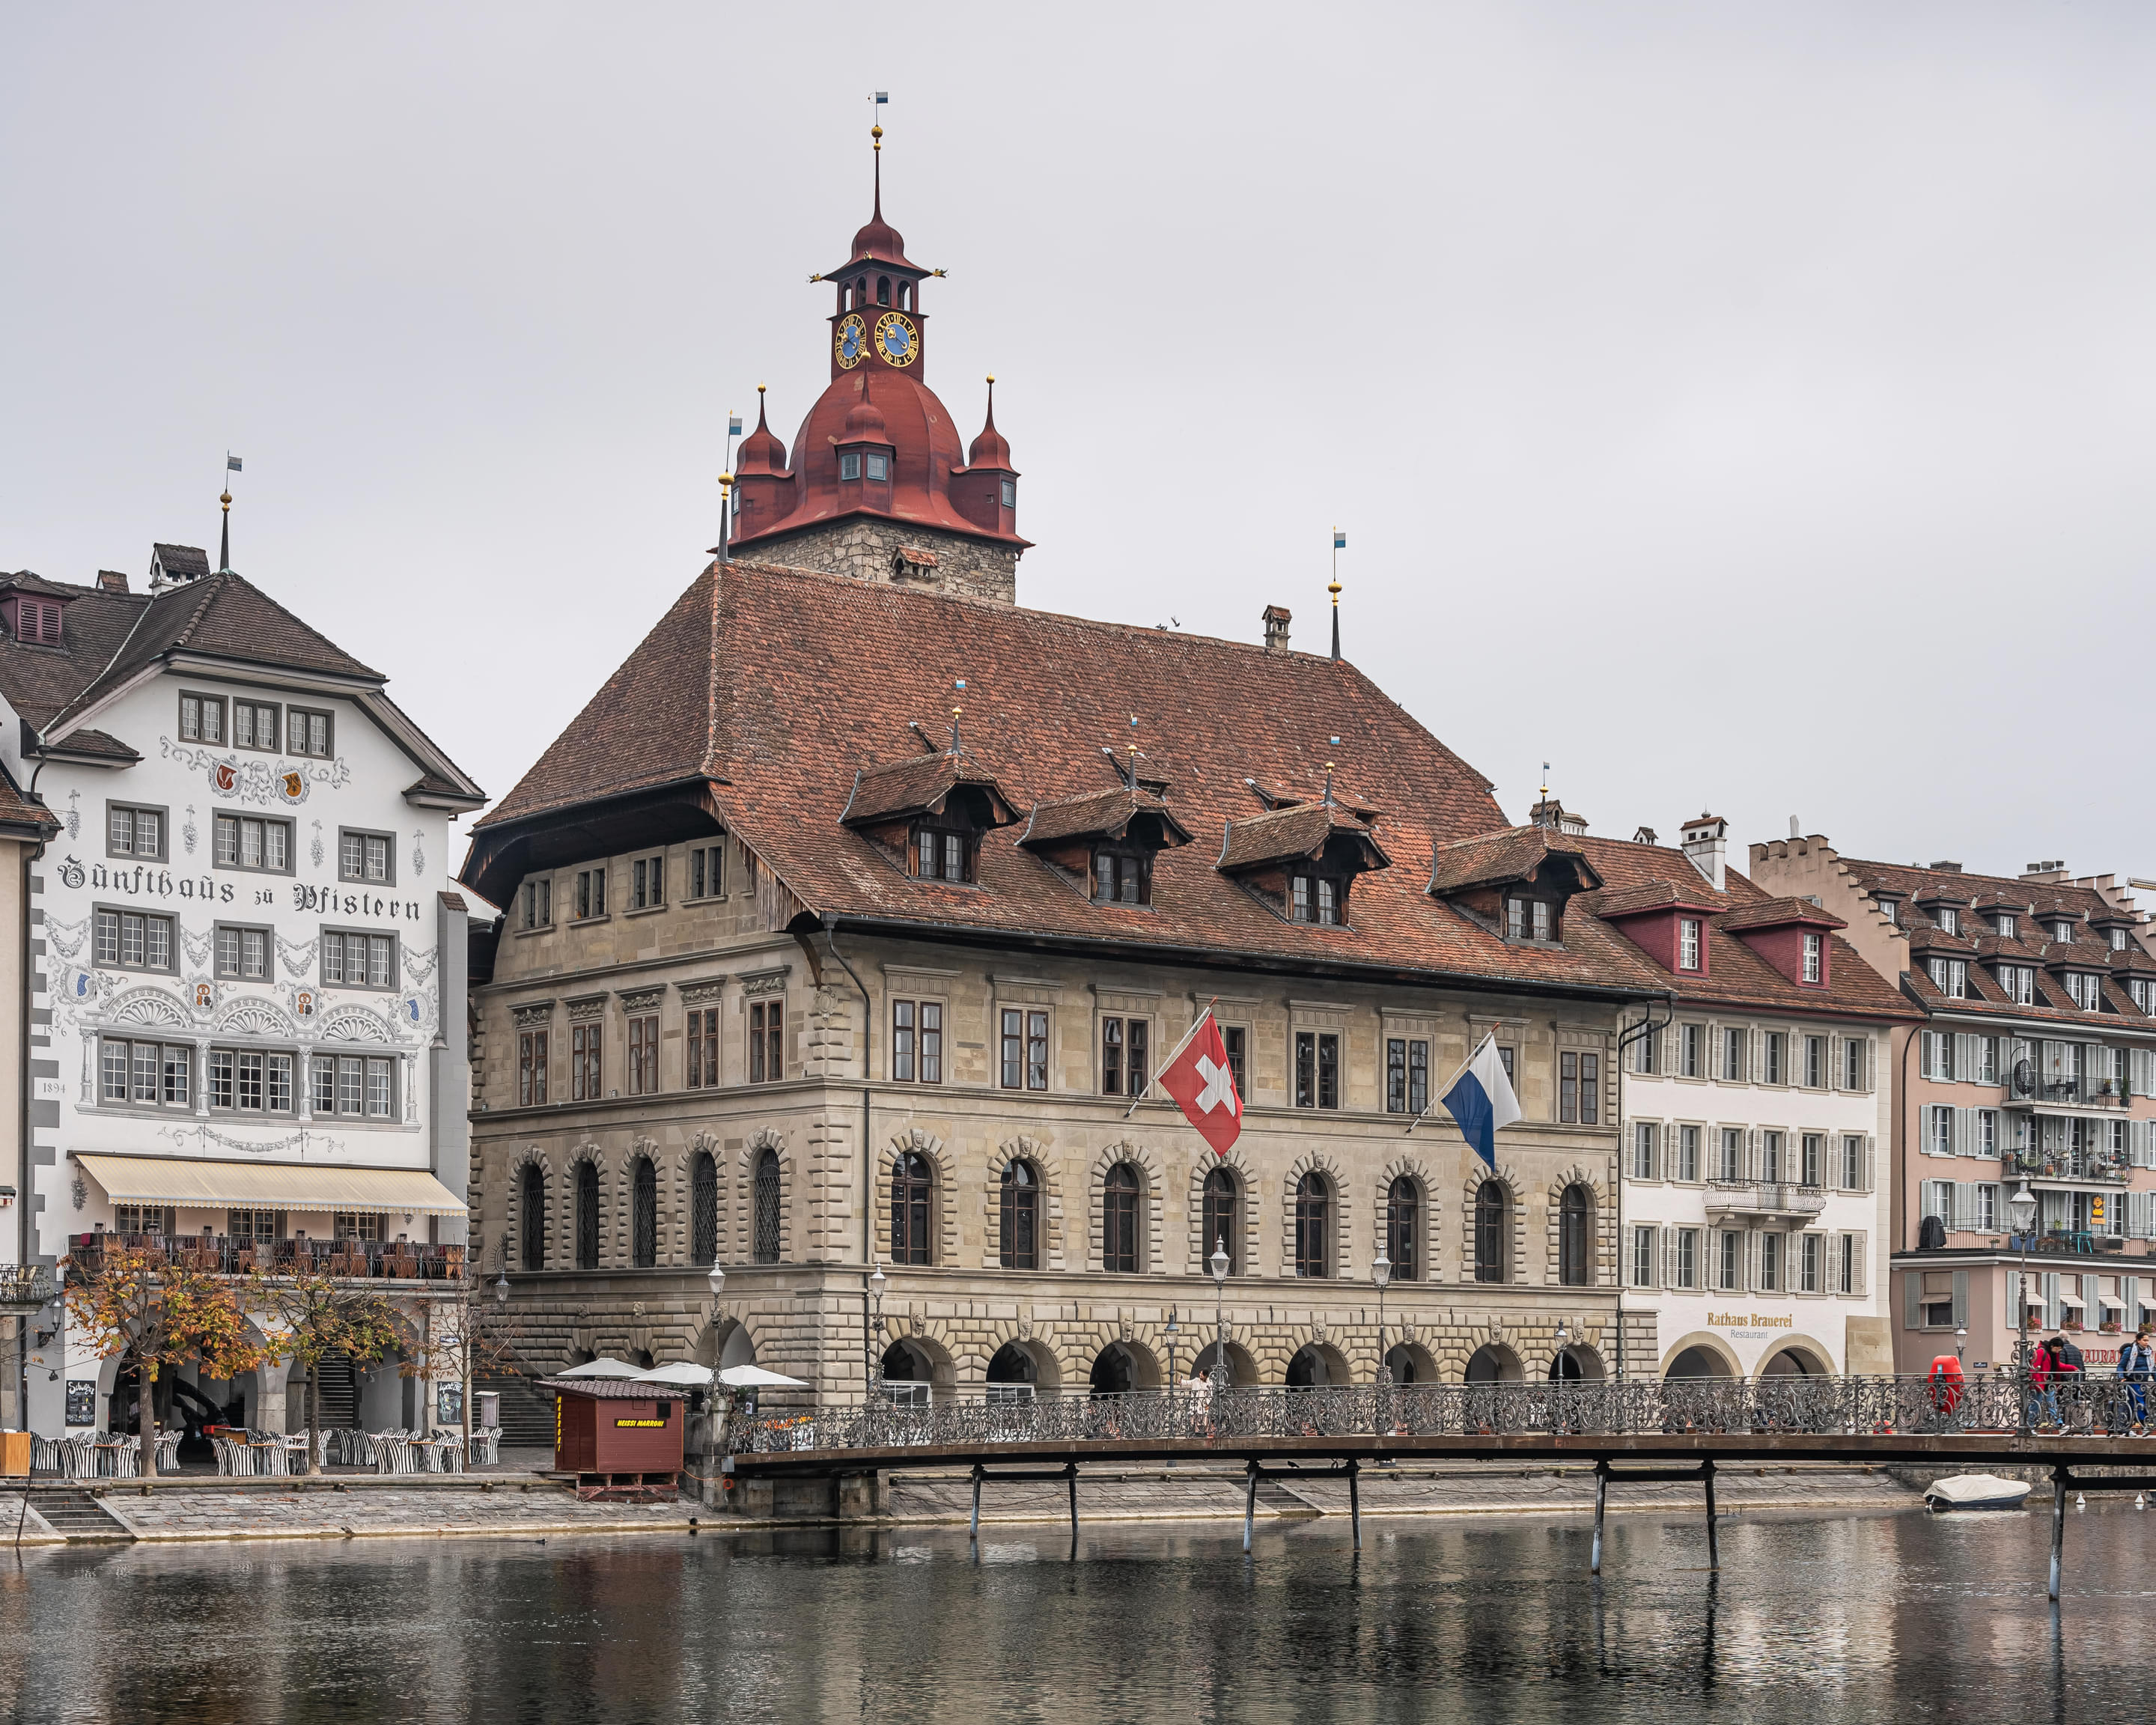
[1872, 1616]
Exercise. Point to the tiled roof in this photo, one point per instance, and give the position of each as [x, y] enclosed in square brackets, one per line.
[2029, 897]
[183, 562]
[1612, 903]
[1736, 976]
[774, 685]
[917, 786]
[1779, 913]
[1103, 813]
[1291, 834]
[18, 810]
[1492, 859]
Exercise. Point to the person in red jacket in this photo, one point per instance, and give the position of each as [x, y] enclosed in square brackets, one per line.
[2043, 1400]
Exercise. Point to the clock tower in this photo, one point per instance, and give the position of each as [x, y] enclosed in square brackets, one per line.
[879, 485]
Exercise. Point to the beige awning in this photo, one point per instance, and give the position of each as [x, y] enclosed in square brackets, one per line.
[270, 1185]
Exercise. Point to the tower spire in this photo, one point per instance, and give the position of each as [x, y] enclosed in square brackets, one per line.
[1339, 540]
[224, 536]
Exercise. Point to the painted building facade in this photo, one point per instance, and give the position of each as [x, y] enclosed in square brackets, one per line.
[246, 980]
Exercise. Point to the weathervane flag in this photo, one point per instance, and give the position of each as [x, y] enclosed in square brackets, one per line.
[1204, 1084]
[1481, 1100]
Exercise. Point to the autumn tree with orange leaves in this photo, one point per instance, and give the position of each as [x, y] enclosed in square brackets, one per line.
[137, 1302]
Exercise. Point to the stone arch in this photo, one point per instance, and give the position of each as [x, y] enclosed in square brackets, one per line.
[1122, 1361]
[550, 1188]
[1516, 1244]
[1242, 1364]
[1430, 1235]
[1706, 1346]
[1810, 1359]
[641, 1149]
[589, 1151]
[700, 1143]
[148, 1006]
[932, 1336]
[1494, 1362]
[1316, 1355]
[1248, 1248]
[1601, 1246]
[1316, 1162]
[1027, 1150]
[1411, 1362]
[1051, 1371]
[1586, 1366]
[1147, 1164]
[764, 1138]
[943, 1218]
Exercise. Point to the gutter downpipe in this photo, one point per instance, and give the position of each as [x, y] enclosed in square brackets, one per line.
[868, 1166]
[26, 1176]
[1637, 1033]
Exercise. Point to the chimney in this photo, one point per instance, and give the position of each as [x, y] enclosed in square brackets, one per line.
[1275, 621]
[1645, 836]
[1707, 844]
[111, 581]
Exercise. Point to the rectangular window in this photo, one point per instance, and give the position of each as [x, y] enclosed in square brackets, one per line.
[850, 464]
[1815, 1063]
[1846, 1264]
[356, 1226]
[1950, 976]
[1814, 958]
[539, 903]
[1852, 1063]
[941, 855]
[1948, 919]
[1771, 1248]
[246, 842]
[253, 725]
[590, 897]
[242, 952]
[1687, 943]
[1120, 878]
[1687, 1258]
[1407, 1076]
[307, 732]
[1690, 1037]
[248, 1081]
[1316, 1069]
[703, 1049]
[366, 856]
[1237, 1039]
[135, 832]
[1644, 1133]
[1732, 1165]
[585, 1072]
[144, 1074]
[1771, 1166]
[1852, 1163]
[1773, 1049]
[1813, 1172]
[354, 960]
[144, 1218]
[916, 1041]
[647, 883]
[766, 1041]
[132, 940]
[201, 719]
[644, 1054]
[1736, 1057]
[707, 871]
[1687, 1168]
[1643, 1257]
[1579, 1089]
[1731, 1265]
[1124, 1045]
[531, 1069]
[879, 464]
[1644, 1050]
[1808, 1264]
[356, 1087]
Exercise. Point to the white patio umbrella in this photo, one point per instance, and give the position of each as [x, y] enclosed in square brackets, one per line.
[685, 1373]
[602, 1368]
[756, 1377]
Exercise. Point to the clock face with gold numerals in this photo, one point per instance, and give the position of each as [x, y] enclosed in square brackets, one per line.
[853, 342]
[896, 339]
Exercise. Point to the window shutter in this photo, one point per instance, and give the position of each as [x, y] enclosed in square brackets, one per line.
[1912, 1298]
[1669, 1256]
[2092, 1313]
[1860, 1280]
[1961, 1299]
[1752, 1249]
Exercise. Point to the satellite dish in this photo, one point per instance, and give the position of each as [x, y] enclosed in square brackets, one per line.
[2024, 1079]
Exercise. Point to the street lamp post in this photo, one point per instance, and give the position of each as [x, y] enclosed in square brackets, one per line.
[717, 1282]
[1218, 1263]
[1381, 1272]
[876, 1286]
[2023, 1205]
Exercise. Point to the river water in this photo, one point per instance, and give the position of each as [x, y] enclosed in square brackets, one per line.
[1814, 1617]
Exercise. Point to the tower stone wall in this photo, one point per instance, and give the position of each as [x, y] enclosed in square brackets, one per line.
[872, 550]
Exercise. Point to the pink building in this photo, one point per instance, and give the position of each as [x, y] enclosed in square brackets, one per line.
[2032, 1073]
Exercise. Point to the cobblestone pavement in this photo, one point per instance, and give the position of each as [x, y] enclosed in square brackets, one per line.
[322, 1512]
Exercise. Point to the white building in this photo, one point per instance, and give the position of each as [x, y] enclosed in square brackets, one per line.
[1756, 1120]
[246, 989]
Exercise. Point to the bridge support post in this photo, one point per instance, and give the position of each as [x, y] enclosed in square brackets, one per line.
[1355, 1501]
[2058, 1524]
[1250, 1502]
[974, 1531]
[1713, 1537]
[1070, 1477]
[1601, 1501]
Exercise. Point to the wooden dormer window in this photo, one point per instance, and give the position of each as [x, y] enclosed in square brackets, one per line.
[1529, 919]
[1321, 899]
[942, 854]
[1121, 877]
[36, 622]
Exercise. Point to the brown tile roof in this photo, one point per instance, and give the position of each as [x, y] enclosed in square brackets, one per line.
[1492, 859]
[1736, 976]
[2030, 897]
[918, 785]
[1779, 913]
[1105, 814]
[1291, 834]
[772, 685]
[1614, 903]
[18, 811]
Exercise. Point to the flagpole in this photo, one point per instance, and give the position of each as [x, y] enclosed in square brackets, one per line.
[1438, 1095]
[1168, 1059]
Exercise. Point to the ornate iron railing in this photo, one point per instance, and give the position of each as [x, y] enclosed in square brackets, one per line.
[1816, 1406]
[23, 1287]
[233, 1255]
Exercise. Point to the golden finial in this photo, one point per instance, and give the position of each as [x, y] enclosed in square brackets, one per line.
[759, 389]
[1335, 591]
[991, 376]
[875, 132]
[225, 498]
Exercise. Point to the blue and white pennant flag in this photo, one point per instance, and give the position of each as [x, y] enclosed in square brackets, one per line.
[1481, 1100]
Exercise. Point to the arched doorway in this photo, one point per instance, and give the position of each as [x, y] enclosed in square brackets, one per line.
[1702, 1354]
[1021, 1370]
[1410, 1363]
[1242, 1368]
[1318, 1365]
[1494, 1363]
[1696, 1362]
[1577, 1363]
[740, 1349]
[1794, 1360]
[1122, 1367]
[909, 1376]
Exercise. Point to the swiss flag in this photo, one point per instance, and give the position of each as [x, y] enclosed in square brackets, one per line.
[1204, 1087]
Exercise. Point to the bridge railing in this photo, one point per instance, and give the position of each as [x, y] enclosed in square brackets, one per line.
[1818, 1406]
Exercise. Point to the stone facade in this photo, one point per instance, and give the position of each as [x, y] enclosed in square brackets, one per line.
[804, 1313]
[869, 549]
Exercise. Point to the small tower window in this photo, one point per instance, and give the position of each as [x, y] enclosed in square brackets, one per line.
[1010, 494]
[850, 464]
[879, 464]
[883, 290]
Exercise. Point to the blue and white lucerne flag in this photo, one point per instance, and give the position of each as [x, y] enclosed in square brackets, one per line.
[1339, 540]
[1481, 1100]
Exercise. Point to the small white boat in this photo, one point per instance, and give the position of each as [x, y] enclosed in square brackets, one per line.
[1975, 1490]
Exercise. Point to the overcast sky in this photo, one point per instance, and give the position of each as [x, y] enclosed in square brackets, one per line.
[1735, 406]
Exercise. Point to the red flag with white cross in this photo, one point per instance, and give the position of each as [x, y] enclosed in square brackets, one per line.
[1204, 1085]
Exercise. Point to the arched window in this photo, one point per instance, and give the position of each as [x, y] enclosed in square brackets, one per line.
[1119, 1220]
[883, 290]
[766, 1206]
[912, 1186]
[1021, 1217]
[1403, 1228]
[1490, 1231]
[1218, 1220]
[704, 1209]
[532, 1215]
[588, 1215]
[1575, 1210]
[644, 1214]
[1313, 1217]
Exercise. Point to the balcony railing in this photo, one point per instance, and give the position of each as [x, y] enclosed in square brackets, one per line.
[2067, 1093]
[1765, 1198]
[2071, 1165]
[233, 1255]
[23, 1287]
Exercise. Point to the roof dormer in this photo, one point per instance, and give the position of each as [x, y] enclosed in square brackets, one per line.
[928, 814]
[34, 610]
[1302, 858]
[1791, 934]
[1105, 842]
[1667, 919]
[1518, 881]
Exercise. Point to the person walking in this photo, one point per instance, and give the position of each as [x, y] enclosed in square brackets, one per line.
[2069, 1376]
[2137, 1366]
[2043, 1398]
